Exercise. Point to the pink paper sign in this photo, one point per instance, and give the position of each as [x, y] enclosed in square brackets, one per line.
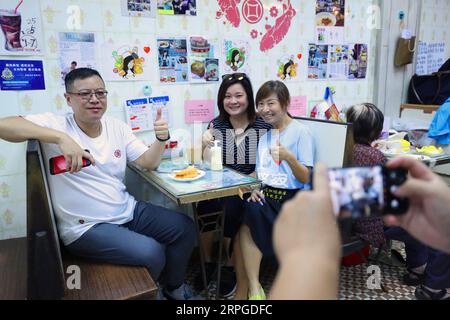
[198, 111]
[298, 106]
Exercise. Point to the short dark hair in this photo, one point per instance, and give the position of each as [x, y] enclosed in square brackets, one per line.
[228, 81]
[277, 87]
[80, 73]
[74, 62]
[367, 122]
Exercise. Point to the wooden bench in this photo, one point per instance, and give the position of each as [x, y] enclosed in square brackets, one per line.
[13, 269]
[48, 262]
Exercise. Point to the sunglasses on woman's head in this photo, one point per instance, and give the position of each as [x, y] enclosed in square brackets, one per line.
[236, 76]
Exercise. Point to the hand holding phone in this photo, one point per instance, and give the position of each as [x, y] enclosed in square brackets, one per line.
[58, 164]
[363, 192]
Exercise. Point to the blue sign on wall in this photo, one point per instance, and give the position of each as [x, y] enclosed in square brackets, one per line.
[21, 75]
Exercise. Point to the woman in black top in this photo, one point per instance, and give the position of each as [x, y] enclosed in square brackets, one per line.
[238, 128]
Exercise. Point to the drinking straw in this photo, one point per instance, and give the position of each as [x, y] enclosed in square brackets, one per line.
[15, 10]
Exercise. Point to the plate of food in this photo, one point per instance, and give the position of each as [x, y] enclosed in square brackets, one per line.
[325, 19]
[164, 44]
[189, 174]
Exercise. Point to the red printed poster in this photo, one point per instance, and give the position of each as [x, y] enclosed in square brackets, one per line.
[198, 111]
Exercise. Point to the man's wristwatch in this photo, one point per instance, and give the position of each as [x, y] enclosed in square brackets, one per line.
[163, 140]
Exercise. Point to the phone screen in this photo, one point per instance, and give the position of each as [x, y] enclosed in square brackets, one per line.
[357, 192]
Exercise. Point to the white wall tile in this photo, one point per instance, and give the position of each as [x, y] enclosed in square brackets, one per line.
[12, 158]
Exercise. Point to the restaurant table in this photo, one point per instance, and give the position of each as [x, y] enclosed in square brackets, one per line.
[435, 160]
[213, 185]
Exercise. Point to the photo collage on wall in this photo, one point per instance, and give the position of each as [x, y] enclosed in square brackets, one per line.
[330, 57]
[338, 62]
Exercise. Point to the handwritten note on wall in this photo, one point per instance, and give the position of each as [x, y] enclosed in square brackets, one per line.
[198, 111]
[298, 106]
[430, 57]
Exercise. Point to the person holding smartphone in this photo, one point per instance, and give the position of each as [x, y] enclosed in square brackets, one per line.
[96, 217]
[425, 230]
[309, 269]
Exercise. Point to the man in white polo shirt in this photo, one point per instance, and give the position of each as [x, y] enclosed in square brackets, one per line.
[96, 217]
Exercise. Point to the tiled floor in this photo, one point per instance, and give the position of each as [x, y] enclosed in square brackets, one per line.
[354, 281]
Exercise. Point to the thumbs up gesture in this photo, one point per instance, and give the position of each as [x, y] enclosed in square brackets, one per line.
[280, 153]
[208, 136]
[161, 127]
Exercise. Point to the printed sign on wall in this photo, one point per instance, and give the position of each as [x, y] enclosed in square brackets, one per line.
[198, 111]
[141, 112]
[76, 50]
[20, 22]
[21, 75]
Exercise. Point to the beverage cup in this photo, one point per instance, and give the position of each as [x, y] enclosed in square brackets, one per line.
[10, 24]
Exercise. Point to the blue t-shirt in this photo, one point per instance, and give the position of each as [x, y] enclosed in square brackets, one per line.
[297, 138]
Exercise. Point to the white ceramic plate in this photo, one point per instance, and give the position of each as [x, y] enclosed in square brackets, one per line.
[419, 157]
[172, 176]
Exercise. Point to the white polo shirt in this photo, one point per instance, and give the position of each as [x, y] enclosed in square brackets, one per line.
[95, 194]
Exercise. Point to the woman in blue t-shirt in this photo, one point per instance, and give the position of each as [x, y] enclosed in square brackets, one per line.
[284, 160]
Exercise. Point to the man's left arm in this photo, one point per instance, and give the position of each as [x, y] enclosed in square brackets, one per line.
[151, 158]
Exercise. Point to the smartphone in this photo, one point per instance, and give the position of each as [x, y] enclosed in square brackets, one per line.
[58, 164]
[364, 192]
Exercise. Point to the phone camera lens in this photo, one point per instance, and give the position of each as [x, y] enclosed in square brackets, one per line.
[395, 204]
